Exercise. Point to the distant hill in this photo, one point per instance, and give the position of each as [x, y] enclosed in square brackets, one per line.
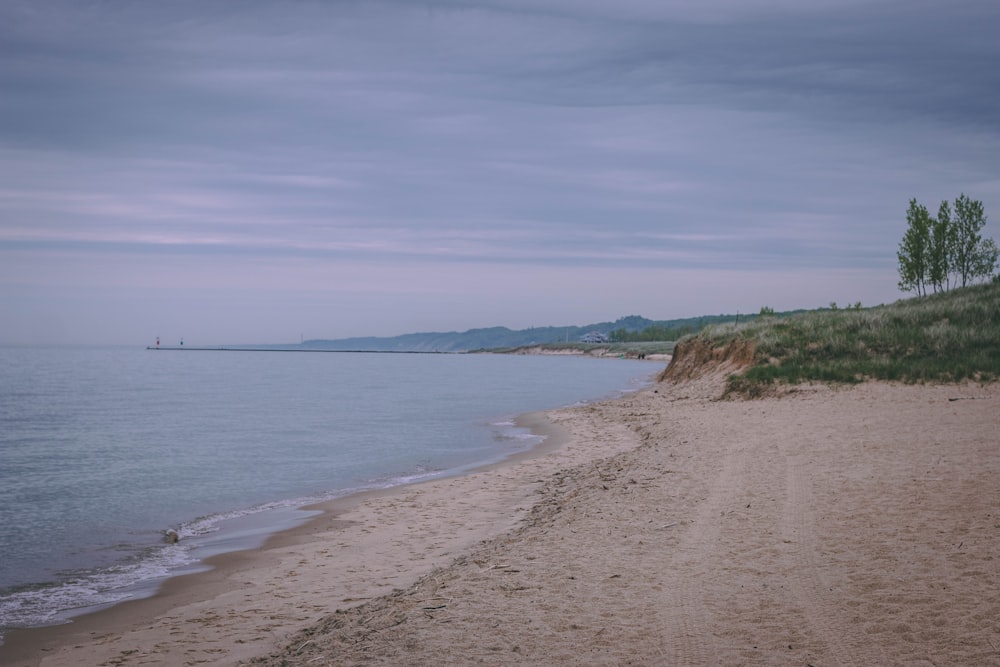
[502, 337]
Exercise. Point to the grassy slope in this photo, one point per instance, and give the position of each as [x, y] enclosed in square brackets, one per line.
[944, 337]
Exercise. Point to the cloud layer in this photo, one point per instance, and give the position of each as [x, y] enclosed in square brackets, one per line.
[240, 171]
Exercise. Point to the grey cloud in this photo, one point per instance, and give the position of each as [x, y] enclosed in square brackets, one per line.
[530, 133]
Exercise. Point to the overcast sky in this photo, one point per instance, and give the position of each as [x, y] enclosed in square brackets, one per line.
[257, 171]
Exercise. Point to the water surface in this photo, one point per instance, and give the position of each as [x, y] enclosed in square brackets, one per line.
[101, 450]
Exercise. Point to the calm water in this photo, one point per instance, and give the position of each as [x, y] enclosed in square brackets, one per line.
[101, 450]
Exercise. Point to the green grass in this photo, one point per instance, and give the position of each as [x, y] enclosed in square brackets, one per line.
[945, 337]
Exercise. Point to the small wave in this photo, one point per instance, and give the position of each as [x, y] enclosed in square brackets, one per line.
[136, 577]
[419, 473]
[49, 604]
[508, 429]
[139, 576]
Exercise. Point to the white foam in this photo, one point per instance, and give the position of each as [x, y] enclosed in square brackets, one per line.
[88, 591]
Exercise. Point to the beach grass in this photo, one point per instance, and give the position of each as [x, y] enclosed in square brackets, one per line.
[946, 337]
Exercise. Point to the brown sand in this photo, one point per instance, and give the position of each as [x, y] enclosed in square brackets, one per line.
[854, 526]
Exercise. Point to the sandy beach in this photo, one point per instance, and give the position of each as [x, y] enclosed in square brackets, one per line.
[828, 526]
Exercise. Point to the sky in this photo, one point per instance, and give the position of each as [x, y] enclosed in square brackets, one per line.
[263, 171]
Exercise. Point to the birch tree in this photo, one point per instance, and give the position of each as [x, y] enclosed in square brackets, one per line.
[914, 250]
[972, 256]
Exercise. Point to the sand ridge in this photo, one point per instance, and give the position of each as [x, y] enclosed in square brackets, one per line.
[849, 526]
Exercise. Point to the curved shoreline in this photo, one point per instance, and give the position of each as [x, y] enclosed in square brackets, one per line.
[144, 590]
[39, 645]
[851, 525]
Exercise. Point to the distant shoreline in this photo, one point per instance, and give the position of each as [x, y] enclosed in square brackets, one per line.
[615, 352]
[286, 349]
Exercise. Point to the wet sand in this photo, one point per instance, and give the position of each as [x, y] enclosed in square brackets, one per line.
[850, 526]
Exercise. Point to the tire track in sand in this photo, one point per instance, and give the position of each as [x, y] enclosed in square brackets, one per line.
[812, 591]
[690, 567]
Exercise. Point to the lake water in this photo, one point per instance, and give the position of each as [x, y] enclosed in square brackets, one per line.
[102, 450]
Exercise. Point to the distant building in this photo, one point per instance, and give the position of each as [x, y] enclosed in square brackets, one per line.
[594, 337]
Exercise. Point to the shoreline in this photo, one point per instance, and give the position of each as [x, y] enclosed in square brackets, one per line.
[848, 525]
[252, 528]
[30, 646]
[829, 525]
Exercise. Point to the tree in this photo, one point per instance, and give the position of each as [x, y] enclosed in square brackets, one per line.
[914, 250]
[946, 251]
[942, 242]
[972, 256]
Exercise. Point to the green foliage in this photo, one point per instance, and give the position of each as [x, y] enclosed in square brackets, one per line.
[914, 249]
[950, 336]
[938, 252]
[673, 330]
[972, 257]
[650, 333]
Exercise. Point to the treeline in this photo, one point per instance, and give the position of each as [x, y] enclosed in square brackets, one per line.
[650, 334]
[673, 330]
[946, 251]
